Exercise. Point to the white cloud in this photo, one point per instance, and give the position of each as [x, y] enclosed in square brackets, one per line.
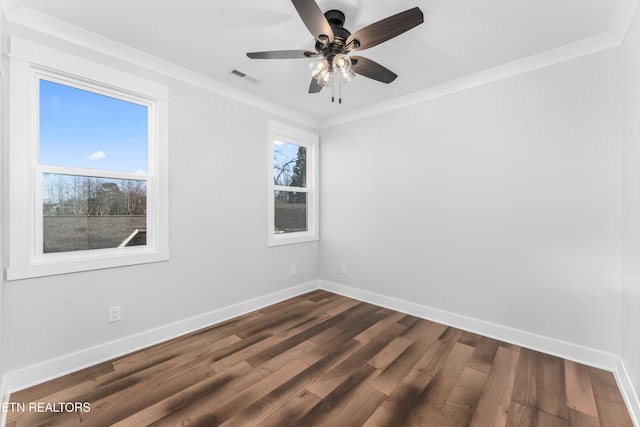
[97, 155]
[56, 105]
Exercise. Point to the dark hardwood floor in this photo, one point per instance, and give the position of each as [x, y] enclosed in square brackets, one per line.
[325, 360]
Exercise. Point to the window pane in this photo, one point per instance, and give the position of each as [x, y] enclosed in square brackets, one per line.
[290, 212]
[81, 212]
[84, 129]
[289, 164]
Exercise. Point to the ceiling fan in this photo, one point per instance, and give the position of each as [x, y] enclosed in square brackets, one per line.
[334, 43]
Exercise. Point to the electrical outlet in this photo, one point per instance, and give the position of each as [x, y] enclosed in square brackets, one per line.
[293, 270]
[115, 314]
[343, 269]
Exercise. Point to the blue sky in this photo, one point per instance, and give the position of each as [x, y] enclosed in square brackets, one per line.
[87, 130]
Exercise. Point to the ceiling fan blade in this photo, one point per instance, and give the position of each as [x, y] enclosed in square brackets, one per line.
[386, 29]
[314, 19]
[373, 70]
[282, 54]
[314, 87]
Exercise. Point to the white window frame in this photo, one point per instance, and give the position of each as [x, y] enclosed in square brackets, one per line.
[311, 141]
[28, 63]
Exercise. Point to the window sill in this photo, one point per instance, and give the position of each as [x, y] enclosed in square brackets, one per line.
[291, 238]
[85, 262]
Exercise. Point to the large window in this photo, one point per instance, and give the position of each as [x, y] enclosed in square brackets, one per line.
[293, 188]
[88, 178]
[93, 155]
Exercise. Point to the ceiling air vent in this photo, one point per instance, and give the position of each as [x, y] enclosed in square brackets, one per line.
[244, 76]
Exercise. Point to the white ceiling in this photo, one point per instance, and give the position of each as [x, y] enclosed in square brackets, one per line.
[458, 38]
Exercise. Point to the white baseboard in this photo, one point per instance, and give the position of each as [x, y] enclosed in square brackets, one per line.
[569, 351]
[628, 392]
[50, 369]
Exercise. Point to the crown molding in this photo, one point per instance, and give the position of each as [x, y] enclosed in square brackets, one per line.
[42, 23]
[617, 29]
[554, 56]
[621, 18]
[9, 6]
[613, 37]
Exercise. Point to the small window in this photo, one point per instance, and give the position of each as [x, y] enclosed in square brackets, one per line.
[293, 189]
[88, 165]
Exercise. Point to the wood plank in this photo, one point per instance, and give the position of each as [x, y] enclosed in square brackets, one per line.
[434, 397]
[330, 357]
[524, 388]
[578, 388]
[580, 419]
[469, 388]
[389, 353]
[210, 411]
[613, 414]
[288, 413]
[336, 399]
[195, 400]
[425, 332]
[359, 407]
[243, 350]
[335, 376]
[156, 356]
[551, 395]
[307, 333]
[521, 415]
[344, 305]
[482, 359]
[287, 390]
[464, 398]
[453, 414]
[319, 295]
[548, 420]
[469, 338]
[183, 398]
[101, 394]
[371, 332]
[393, 410]
[494, 405]
[352, 325]
[262, 408]
[611, 407]
[393, 374]
[108, 409]
[438, 353]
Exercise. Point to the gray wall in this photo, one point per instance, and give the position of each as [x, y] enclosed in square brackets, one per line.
[631, 205]
[500, 203]
[3, 223]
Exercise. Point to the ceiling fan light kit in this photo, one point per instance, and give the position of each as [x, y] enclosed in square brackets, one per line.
[334, 43]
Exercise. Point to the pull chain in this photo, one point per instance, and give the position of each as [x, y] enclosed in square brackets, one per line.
[333, 88]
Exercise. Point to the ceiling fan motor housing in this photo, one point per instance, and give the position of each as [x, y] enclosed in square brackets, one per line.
[335, 17]
[340, 34]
